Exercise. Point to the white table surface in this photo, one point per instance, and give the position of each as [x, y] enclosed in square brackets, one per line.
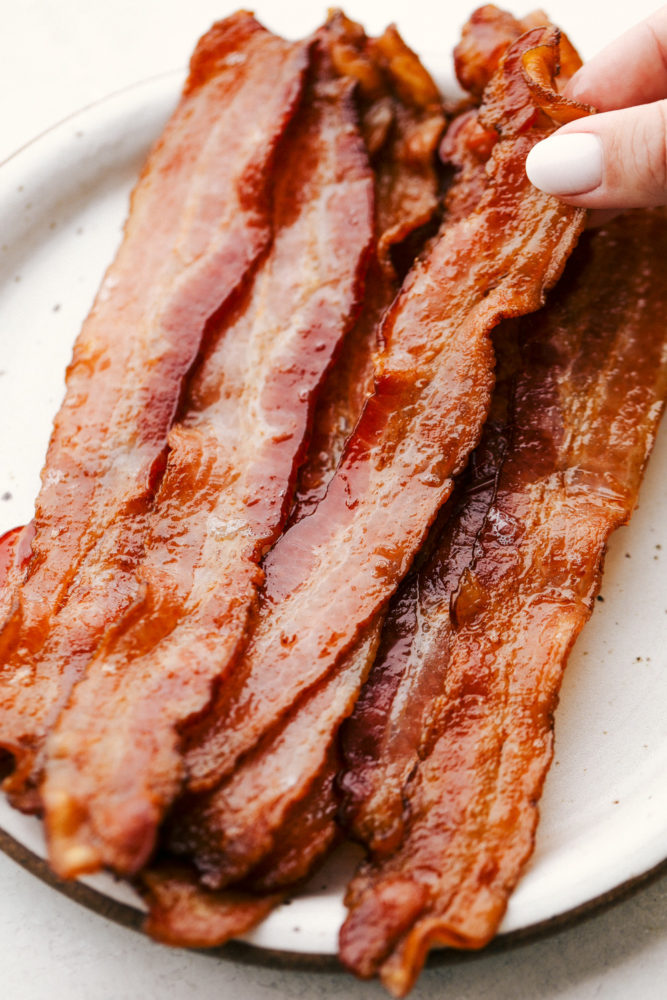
[57, 56]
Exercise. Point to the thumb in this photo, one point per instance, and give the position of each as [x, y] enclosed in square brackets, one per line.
[613, 160]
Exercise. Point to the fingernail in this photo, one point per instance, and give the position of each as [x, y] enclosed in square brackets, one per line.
[566, 164]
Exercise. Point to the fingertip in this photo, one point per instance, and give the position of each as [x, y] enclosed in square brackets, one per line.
[566, 165]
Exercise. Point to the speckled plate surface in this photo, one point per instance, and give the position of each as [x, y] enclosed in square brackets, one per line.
[63, 199]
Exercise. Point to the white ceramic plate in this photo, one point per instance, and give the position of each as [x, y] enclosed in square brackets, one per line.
[63, 199]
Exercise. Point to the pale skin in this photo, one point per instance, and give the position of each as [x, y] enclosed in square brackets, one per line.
[626, 166]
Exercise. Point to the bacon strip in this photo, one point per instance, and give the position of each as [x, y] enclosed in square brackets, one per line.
[331, 573]
[277, 810]
[183, 914]
[485, 38]
[230, 830]
[221, 504]
[585, 414]
[382, 739]
[198, 223]
[402, 120]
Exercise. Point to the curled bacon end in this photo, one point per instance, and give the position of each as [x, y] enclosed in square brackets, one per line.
[485, 38]
[523, 94]
[402, 121]
[541, 65]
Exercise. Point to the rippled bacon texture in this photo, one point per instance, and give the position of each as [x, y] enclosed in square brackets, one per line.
[444, 786]
[199, 221]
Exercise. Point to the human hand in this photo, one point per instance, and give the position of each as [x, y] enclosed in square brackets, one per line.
[618, 158]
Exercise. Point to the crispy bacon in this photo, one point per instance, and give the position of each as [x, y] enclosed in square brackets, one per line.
[308, 832]
[198, 223]
[584, 417]
[402, 116]
[228, 831]
[223, 499]
[331, 573]
[485, 38]
[402, 120]
[181, 913]
[275, 816]
[382, 739]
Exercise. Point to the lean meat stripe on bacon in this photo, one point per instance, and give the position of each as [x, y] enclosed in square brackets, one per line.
[223, 499]
[331, 573]
[585, 412]
[199, 221]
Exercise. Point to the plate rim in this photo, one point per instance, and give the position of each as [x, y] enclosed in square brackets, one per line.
[131, 918]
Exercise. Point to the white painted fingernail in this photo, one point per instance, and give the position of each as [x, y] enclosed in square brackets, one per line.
[566, 164]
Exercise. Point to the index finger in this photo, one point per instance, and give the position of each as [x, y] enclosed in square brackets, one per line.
[631, 70]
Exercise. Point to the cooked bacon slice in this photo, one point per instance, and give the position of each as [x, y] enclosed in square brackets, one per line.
[284, 789]
[331, 573]
[585, 414]
[382, 739]
[485, 38]
[307, 834]
[198, 223]
[181, 913]
[230, 830]
[403, 119]
[223, 499]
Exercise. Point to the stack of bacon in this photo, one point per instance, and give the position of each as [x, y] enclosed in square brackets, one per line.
[248, 501]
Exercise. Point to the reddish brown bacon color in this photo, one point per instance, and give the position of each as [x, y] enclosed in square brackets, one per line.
[181, 913]
[401, 124]
[330, 574]
[198, 223]
[585, 413]
[223, 499]
[274, 817]
[381, 740]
